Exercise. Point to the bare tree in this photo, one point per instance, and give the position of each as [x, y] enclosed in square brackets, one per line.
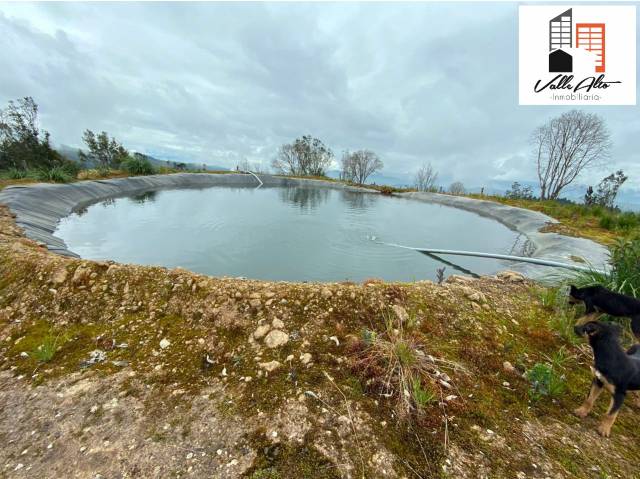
[425, 179]
[565, 146]
[307, 156]
[457, 188]
[359, 165]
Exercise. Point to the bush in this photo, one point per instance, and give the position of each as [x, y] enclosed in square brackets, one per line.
[16, 174]
[545, 378]
[137, 166]
[624, 274]
[57, 174]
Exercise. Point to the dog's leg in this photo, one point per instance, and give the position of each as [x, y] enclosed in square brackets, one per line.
[594, 392]
[593, 316]
[616, 402]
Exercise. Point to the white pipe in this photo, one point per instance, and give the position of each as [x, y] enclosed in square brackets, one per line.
[256, 177]
[524, 259]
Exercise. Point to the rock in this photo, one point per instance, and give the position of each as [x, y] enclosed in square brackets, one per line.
[261, 331]
[59, 276]
[326, 293]
[512, 276]
[95, 356]
[255, 303]
[457, 279]
[277, 323]
[276, 338]
[509, 368]
[165, 343]
[401, 313]
[81, 275]
[305, 358]
[270, 366]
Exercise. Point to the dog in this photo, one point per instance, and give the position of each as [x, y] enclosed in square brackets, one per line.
[614, 369]
[599, 300]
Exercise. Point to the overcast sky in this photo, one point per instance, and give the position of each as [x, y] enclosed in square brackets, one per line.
[215, 83]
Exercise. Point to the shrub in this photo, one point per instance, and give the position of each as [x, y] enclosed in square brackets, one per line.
[57, 174]
[395, 365]
[137, 166]
[15, 174]
[607, 222]
[386, 190]
[624, 273]
[544, 381]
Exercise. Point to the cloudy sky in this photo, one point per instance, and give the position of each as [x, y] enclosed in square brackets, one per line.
[216, 83]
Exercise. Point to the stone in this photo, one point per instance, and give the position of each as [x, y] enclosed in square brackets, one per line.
[270, 366]
[255, 303]
[511, 276]
[261, 331]
[276, 338]
[277, 323]
[326, 293]
[509, 368]
[81, 275]
[165, 343]
[305, 358]
[59, 276]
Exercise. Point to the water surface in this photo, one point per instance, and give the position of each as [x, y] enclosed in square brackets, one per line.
[284, 233]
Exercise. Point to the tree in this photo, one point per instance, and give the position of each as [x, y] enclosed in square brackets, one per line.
[565, 146]
[104, 151]
[22, 144]
[359, 165]
[607, 190]
[519, 192]
[425, 179]
[457, 188]
[306, 156]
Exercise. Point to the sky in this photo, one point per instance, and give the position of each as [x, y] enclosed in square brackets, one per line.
[216, 83]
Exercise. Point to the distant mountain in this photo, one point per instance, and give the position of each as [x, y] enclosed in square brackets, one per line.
[74, 155]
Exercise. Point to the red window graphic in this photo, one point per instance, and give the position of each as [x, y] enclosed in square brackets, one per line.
[590, 36]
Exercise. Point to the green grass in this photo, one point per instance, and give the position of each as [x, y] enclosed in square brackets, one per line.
[137, 166]
[47, 349]
[57, 174]
[624, 274]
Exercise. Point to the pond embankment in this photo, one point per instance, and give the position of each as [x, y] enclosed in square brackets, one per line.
[123, 370]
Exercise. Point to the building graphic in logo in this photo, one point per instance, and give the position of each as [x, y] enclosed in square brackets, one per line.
[589, 36]
[560, 36]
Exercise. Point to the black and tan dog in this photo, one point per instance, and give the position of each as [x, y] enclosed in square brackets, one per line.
[614, 369]
[599, 300]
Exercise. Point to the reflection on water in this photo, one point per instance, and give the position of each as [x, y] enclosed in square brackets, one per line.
[304, 198]
[145, 197]
[292, 233]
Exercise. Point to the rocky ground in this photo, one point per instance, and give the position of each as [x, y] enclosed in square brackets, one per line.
[112, 371]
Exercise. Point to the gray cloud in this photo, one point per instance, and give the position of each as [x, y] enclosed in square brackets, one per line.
[215, 83]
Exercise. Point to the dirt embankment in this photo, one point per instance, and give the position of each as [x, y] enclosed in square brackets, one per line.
[114, 370]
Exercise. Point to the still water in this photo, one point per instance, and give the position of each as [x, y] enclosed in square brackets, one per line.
[285, 233]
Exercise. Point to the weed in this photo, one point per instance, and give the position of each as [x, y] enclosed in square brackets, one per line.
[545, 381]
[396, 366]
[57, 174]
[47, 350]
[624, 274]
[137, 166]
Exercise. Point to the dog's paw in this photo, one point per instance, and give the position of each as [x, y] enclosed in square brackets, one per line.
[604, 430]
[581, 412]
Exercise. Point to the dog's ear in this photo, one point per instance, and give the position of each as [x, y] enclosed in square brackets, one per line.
[572, 289]
[592, 328]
